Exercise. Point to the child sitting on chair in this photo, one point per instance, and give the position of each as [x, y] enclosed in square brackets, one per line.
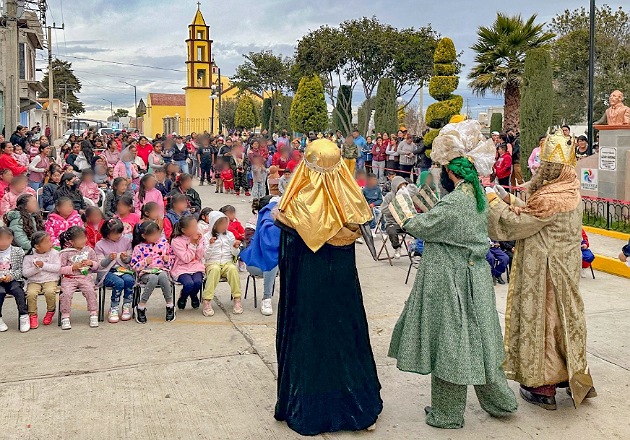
[220, 249]
[587, 255]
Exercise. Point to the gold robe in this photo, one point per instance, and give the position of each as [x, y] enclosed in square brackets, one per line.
[549, 347]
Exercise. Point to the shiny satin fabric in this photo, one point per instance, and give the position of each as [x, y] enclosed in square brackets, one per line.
[323, 196]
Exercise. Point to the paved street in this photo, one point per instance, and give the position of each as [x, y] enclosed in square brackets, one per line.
[214, 378]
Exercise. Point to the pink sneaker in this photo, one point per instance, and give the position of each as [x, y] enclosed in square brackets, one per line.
[237, 306]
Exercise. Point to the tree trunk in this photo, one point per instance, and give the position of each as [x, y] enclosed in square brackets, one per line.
[512, 117]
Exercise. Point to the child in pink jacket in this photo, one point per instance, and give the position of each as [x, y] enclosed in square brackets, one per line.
[17, 187]
[63, 217]
[188, 267]
[88, 188]
[148, 193]
[78, 261]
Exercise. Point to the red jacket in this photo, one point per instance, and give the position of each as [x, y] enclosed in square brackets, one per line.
[236, 228]
[8, 162]
[93, 234]
[503, 166]
[279, 161]
[143, 152]
[378, 153]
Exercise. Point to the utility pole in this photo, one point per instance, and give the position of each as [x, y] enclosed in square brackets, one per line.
[135, 100]
[591, 78]
[12, 78]
[51, 114]
[111, 106]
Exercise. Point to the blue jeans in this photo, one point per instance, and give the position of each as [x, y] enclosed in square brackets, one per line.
[183, 165]
[376, 211]
[118, 284]
[34, 185]
[269, 279]
[191, 284]
[498, 261]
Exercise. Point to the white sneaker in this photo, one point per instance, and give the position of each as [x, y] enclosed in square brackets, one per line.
[266, 308]
[65, 324]
[360, 240]
[93, 321]
[25, 323]
[127, 312]
[373, 233]
[3, 326]
[583, 273]
[397, 254]
[242, 267]
[113, 317]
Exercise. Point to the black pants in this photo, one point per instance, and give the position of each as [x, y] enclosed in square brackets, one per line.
[505, 181]
[240, 181]
[392, 232]
[14, 288]
[206, 169]
[406, 172]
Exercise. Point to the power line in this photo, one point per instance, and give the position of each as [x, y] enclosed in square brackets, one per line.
[124, 64]
[65, 45]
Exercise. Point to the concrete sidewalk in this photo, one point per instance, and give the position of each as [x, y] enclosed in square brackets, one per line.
[214, 378]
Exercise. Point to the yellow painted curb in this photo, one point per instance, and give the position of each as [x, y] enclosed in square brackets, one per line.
[607, 233]
[611, 266]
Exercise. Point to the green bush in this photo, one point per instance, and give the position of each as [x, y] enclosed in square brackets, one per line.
[441, 87]
[430, 136]
[445, 52]
[496, 122]
[440, 113]
[444, 69]
[246, 115]
[308, 109]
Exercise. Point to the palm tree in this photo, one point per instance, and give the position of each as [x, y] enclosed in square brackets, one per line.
[500, 60]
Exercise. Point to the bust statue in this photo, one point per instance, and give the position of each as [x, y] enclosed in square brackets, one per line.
[617, 113]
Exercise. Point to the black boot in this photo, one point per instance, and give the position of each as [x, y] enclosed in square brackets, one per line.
[181, 303]
[194, 302]
[500, 280]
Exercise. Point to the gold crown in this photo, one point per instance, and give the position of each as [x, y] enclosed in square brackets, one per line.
[558, 149]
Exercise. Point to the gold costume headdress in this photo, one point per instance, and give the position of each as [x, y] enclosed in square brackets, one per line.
[558, 150]
[322, 197]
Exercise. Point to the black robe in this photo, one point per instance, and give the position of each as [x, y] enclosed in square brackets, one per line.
[327, 378]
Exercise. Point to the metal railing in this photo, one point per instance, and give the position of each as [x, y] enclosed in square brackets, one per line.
[608, 214]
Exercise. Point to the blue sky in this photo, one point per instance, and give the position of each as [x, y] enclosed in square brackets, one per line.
[152, 33]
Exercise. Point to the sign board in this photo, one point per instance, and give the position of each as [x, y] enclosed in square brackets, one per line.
[589, 179]
[608, 158]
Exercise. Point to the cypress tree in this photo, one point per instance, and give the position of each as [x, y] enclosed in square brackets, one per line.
[246, 115]
[536, 101]
[386, 115]
[342, 116]
[308, 109]
[496, 122]
[266, 112]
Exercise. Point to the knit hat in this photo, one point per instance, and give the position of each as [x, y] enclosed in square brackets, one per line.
[396, 182]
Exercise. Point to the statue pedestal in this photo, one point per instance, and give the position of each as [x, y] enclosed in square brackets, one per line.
[607, 174]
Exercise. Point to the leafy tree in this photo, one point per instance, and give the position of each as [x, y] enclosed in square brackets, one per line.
[537, 100]
[570, 54]
[264, 72]
[227, 113]
[246, 114]
[282, 113]
[386, 114]
[342, 116]
[441, 87]
[121, 113]
[500, 59]
[496, 122]
[66, 93]
[308, 109]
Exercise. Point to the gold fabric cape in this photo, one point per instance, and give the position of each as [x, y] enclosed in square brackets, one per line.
[323, 196]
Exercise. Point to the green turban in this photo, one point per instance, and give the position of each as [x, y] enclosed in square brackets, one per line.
[465, 169]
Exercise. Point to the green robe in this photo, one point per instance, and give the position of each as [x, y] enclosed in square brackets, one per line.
[450, 326]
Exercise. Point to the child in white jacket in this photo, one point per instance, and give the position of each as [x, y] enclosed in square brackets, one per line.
[220, 250]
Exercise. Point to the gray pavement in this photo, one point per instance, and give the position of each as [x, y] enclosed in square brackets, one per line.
[214, 378]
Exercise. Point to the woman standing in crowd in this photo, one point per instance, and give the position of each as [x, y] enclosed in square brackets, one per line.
[38, 168]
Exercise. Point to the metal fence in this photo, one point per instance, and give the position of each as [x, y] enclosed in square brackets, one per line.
[185, 126]
[607, 213]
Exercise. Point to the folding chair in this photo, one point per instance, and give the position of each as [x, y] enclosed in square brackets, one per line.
[414, 262]
[402, 236]
[592, 271]
[253, 279]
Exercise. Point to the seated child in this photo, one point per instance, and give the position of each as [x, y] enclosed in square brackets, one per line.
[47, 199]
[235, 226]
[587, 255]
[113, 252]
[220, 249]
[203, 220]
[179, 209]
[88, 188]
[162, 183]
[24, 221]
[374, 197]
[188, 267]
[147, 192]
[273, 181]
[41, 268]
[124, 212]
[61, 219]
[11, 278]
[93, 219]
[284, 181]
[387, 188]
[20, 156]
[17, 187]
[77, 263]
[361, 178]
[100, 175]
[152, 260]
[6, 176]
